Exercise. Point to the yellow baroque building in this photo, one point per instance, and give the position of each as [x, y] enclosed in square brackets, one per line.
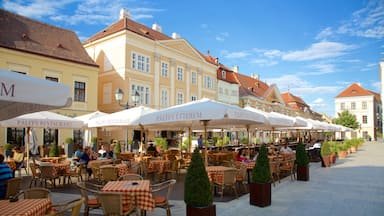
[48, 52]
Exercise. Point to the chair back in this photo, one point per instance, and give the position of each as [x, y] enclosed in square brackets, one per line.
[130, 177]
[87, 189]
[74, 206]
[109, 173]
[37, 193]
[32, 166]
[112, 203]
[229, 177]
[48, 171]
[13, 187]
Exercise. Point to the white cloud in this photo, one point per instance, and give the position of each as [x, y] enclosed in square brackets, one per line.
[263, 62]
[240, 54]
[222, 36]
[322, 68]
[321, 50]
[367, 22]
[35, 8]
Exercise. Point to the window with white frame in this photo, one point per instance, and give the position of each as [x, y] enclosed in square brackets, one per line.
[208, 82]
[342, 106]
[193, 98]
[223, 74]
[164, 98]
[194, 77]
[180, 73]
[79, 91]
[140, 62]
[365, 119]
[164, 69]
[179, 98]
[144, 92]
[353, 105]
[364, 105]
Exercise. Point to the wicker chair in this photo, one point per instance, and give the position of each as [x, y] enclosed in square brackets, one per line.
[89, 192]
[13, 187]
[35, 174]
[229, 179]
[130, 177]
[241, 177]
[274, 167]
[49, 173]
[77, 173]
[288, 166]
[146, 172]
[36, 193]
[72, 206]
[172, 170]
[161, 194]
[108, 174]
[112, 203]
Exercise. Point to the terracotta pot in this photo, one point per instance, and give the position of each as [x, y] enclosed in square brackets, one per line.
[333, 158]
[342, 154]
[302, 173]
[353, 149]
[201, 211]
[260, 194]
[326, 161]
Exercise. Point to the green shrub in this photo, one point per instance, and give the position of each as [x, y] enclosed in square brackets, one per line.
[261, 172]
[161, 142]
[197, 188]
[54, 150]
[301, 155]
[117, 147]
[325, 149]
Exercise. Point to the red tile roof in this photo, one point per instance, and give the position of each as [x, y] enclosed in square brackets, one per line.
[251, 86]
[130, 25]
[294, 101]
[26, 35]
[356, 90]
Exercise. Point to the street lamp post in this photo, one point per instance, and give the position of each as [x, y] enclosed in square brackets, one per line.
[135, 96]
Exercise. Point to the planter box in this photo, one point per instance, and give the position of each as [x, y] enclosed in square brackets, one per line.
[302, 173]
[326, 161]
[260, 194]
[201, 211]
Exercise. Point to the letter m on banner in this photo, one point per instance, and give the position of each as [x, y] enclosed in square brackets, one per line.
[4, 91]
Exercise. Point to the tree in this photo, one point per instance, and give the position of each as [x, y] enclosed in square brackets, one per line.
[346, 119]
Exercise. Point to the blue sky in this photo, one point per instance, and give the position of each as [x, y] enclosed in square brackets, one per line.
[313, 49]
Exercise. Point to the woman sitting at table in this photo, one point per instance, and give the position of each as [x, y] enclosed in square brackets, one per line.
[285, 149]
[240, 155]
[102, 152]
[86, 157]
[18, 157]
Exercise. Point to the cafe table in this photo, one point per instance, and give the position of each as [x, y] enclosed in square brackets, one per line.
[122, 169]
[215, 173]
[99, 162]
[35, 207]
[140, 188]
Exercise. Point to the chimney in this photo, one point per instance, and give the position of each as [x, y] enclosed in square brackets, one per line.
[124, 13]
[217, 61]
[236, 69]
[175, 35]
[255, 76]
[156, 27]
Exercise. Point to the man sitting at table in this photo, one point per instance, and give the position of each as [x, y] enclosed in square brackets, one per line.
[5, 174]
[18, 157]
[285, 149]
[151, 150]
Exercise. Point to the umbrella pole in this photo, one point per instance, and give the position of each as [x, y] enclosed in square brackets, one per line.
[28, 143]
[205, 142]
[141, 142]
[189, 140]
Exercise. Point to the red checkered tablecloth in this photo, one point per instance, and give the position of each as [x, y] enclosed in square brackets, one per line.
[122, 169]
[216, 173]
[35, 207]
[159, 165]
[99, 161]
[142, 192]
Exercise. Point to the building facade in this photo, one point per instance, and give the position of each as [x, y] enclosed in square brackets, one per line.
[37, 49]
[366, 106]
[163, 70]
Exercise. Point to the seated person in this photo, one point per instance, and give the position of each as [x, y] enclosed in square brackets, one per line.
[18, 157]
[5, 174]
[241, 156]
[285, 149]
[78, 154]
[151, 150]
[102, 152]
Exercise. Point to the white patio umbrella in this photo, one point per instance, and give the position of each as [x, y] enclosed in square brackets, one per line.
[88, 131]
[128, 118]
[43, 119]
[274, 119]
[202, 114]
[20, 94]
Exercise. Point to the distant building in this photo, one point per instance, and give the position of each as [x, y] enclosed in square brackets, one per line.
[366, 106]
[41, 50]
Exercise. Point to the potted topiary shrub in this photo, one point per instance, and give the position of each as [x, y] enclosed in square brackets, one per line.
[116, 148]
[302, 162]
[260, 187]
[197, 188]
[54, 150]
[325, 153]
